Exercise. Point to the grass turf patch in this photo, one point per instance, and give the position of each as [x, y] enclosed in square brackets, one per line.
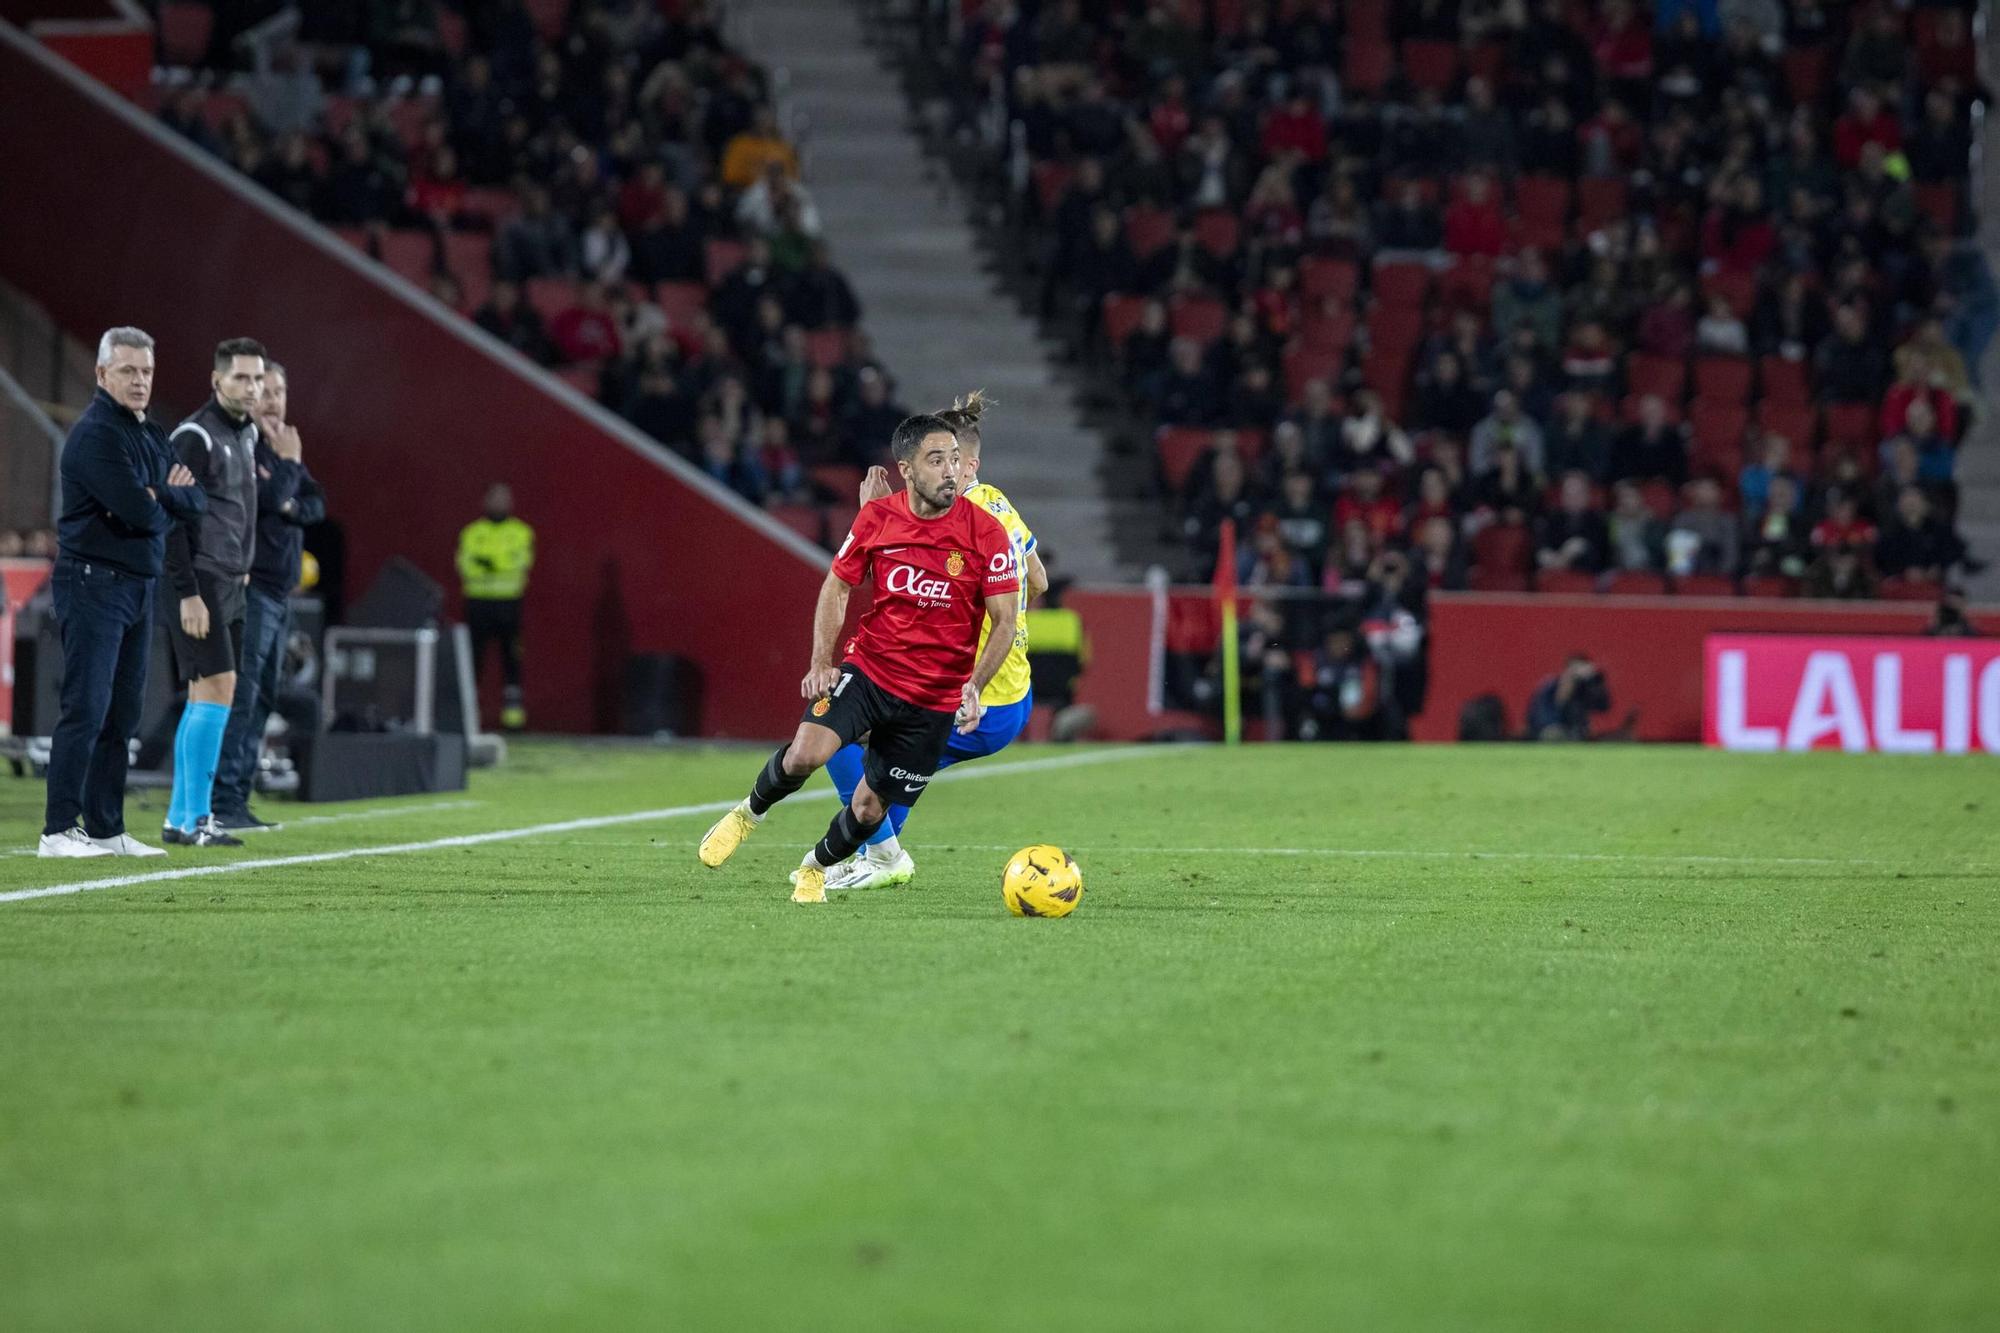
[1400, 1038]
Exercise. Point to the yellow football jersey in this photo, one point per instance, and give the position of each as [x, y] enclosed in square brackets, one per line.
[1009, 684]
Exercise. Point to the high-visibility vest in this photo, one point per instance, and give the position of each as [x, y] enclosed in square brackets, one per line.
[494, 558]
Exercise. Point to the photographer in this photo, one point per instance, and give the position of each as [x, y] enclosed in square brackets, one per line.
[1561, 707]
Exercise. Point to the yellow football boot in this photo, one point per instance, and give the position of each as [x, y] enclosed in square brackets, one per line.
[809, 884]
[721, 842]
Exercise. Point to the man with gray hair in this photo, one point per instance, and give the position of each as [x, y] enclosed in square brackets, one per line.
[121, 492]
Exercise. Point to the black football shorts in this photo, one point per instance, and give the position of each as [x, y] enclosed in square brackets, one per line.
[905, 742]
[222, 651]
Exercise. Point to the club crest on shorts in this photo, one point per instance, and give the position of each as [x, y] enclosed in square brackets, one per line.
[820, 705]
[954, 564]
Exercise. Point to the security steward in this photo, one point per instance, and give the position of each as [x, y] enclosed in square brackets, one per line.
[121, 491]
[495, 554]
[208, 564]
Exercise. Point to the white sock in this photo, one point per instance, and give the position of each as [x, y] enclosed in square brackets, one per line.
[755, 818]
[885, 851]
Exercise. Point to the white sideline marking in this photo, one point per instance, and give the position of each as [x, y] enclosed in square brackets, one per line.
[1664, 857]
[562, 826]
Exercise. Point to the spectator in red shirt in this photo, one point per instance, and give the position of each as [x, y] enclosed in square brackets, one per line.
[1867, 121]
[1948, 53]
[437, 193]
[1613, 143]
[1913, 385]
[586, 331]
[1363, 502]
[1622, 44]
[1169, 120]
[1295, 127]
[1844, 526]
[1737, 236]
[643, 197]
[1474, 224]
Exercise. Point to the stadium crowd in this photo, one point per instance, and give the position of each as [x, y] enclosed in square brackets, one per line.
[1536, 294]
[604, 187]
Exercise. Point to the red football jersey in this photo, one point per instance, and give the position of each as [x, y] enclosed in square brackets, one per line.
[932, 578]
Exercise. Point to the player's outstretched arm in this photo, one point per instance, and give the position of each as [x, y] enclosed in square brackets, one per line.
[828, 616]
[1004, 608]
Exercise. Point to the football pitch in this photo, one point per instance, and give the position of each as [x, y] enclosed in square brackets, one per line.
[1340, 1037]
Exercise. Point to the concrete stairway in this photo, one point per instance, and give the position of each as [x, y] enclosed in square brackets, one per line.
[899, 231]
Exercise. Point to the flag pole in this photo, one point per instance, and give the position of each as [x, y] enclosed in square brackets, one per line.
[1232, 666]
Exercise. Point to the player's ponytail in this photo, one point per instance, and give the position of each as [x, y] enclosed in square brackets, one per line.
[964, 415]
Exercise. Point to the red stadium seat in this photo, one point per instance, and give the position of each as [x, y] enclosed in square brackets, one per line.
[1468, 283]
[1628, 409]
[1722, 379]
[1430, 64]
[550, 16]
[549, 296]
[1202, 318]
[1660, 497]
[1543, 198]
[722, 259]
[1717, 430]
[1400, 284]
[584, 377]
[681, 301]
[826, 348]
[1327, 333]
[1806, 73]
[1941, 202]
[1501, 549]
[1599, 199]
[1705, 585]
[1496, 580]
[412, 254]
[839, 482]
[1369, 63]
[184, 32]
[1797, 422]
[1770, 585]
[1635, 583]
[1368, 19]
[490, 205]
[1148, 230]
[1386, 370]
[1121, 315]
[1851, 426]
[840, 517]
[452, 32]
[1739, 289]
[1305, 364]
[1051, 183]
[1782, 380]
[1217, 231]
[1488, 60]
[806, 520]
[1320, 277]
[1662, 375]
[469, 256]
[1565, 580]
[1177, 448]
[1398, 328]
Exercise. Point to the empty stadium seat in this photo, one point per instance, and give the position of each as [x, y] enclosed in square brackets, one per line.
[722, 259]
[1483, 579]
[1770, 585]
[1148, 230]
[1202, 318]
[836, 481]
[1649, 374]
[1368, 64]
[411, 254]
[1320, 276]
[1940, 201]
[1600, 199]
[1305, 364]
[1327, 333]
[1739, 289]
[549, 296]
[1176, 448]
[1797, 422]
[1634, 583]
[184, 32]
[1565, 581]
[1430, 64]
[1400, 284]
[1217, 231]
[1722, 379]
[1781, 379]
[1851, 426]
[1051, 183]
[1705, 585]
[802, 519]
[826, 348]
[1122, 314]
[1500, 549]
[1909, 590]
[681, 302]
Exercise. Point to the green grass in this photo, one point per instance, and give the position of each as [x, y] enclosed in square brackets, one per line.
[1715, 1044]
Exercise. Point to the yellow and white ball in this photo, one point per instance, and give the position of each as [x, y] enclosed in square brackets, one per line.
[1041, 881]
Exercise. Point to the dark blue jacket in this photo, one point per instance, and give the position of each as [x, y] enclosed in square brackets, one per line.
[289, 500]
[109, 461]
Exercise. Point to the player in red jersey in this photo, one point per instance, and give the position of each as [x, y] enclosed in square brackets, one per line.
[908, 672]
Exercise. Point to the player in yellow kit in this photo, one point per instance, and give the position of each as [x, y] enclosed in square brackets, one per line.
[1009, 698]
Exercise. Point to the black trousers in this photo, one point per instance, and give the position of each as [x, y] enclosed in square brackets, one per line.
[496, 621]
[106, 620]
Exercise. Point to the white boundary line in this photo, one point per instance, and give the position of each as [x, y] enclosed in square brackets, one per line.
[379, 814]
[562, 826]
[1663, 858]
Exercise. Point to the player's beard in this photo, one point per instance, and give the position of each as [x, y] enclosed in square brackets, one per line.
[939, 499]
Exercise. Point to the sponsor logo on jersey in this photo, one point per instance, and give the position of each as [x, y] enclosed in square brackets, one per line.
[912, 779]
[916, 583]
[954, 564]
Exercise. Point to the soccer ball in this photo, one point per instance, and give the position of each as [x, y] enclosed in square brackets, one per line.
[1041, 881]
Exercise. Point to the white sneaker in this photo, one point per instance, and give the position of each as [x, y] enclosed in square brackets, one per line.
[73, 842]
[842, 875]
[871, 874]
[127, 845]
